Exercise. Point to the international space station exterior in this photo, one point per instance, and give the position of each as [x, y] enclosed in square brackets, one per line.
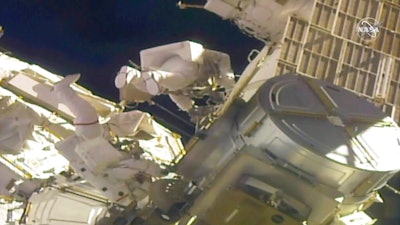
[306, 135]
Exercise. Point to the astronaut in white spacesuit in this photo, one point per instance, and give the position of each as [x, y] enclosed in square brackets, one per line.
[120, 178]
[179, 77]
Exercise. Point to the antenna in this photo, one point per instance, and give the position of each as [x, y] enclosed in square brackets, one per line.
[183, 5]
[1, 31]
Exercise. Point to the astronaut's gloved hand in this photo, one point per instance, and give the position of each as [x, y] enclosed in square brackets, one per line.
[62, 88]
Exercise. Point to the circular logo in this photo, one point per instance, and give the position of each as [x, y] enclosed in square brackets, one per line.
[368, 29]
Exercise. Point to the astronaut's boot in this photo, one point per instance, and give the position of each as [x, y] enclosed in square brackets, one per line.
[62, 88]
[83, 111]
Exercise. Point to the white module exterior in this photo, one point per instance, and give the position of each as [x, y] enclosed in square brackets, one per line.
[53, 207]
[340, 142]
[315, 141]
[261, 19]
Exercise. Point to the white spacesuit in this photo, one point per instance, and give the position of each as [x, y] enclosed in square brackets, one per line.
[170, 72]
[16, 125]
[120, 178]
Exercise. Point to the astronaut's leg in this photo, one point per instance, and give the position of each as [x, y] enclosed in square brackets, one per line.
[183, 102]
[128, 168]
[86, 118]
